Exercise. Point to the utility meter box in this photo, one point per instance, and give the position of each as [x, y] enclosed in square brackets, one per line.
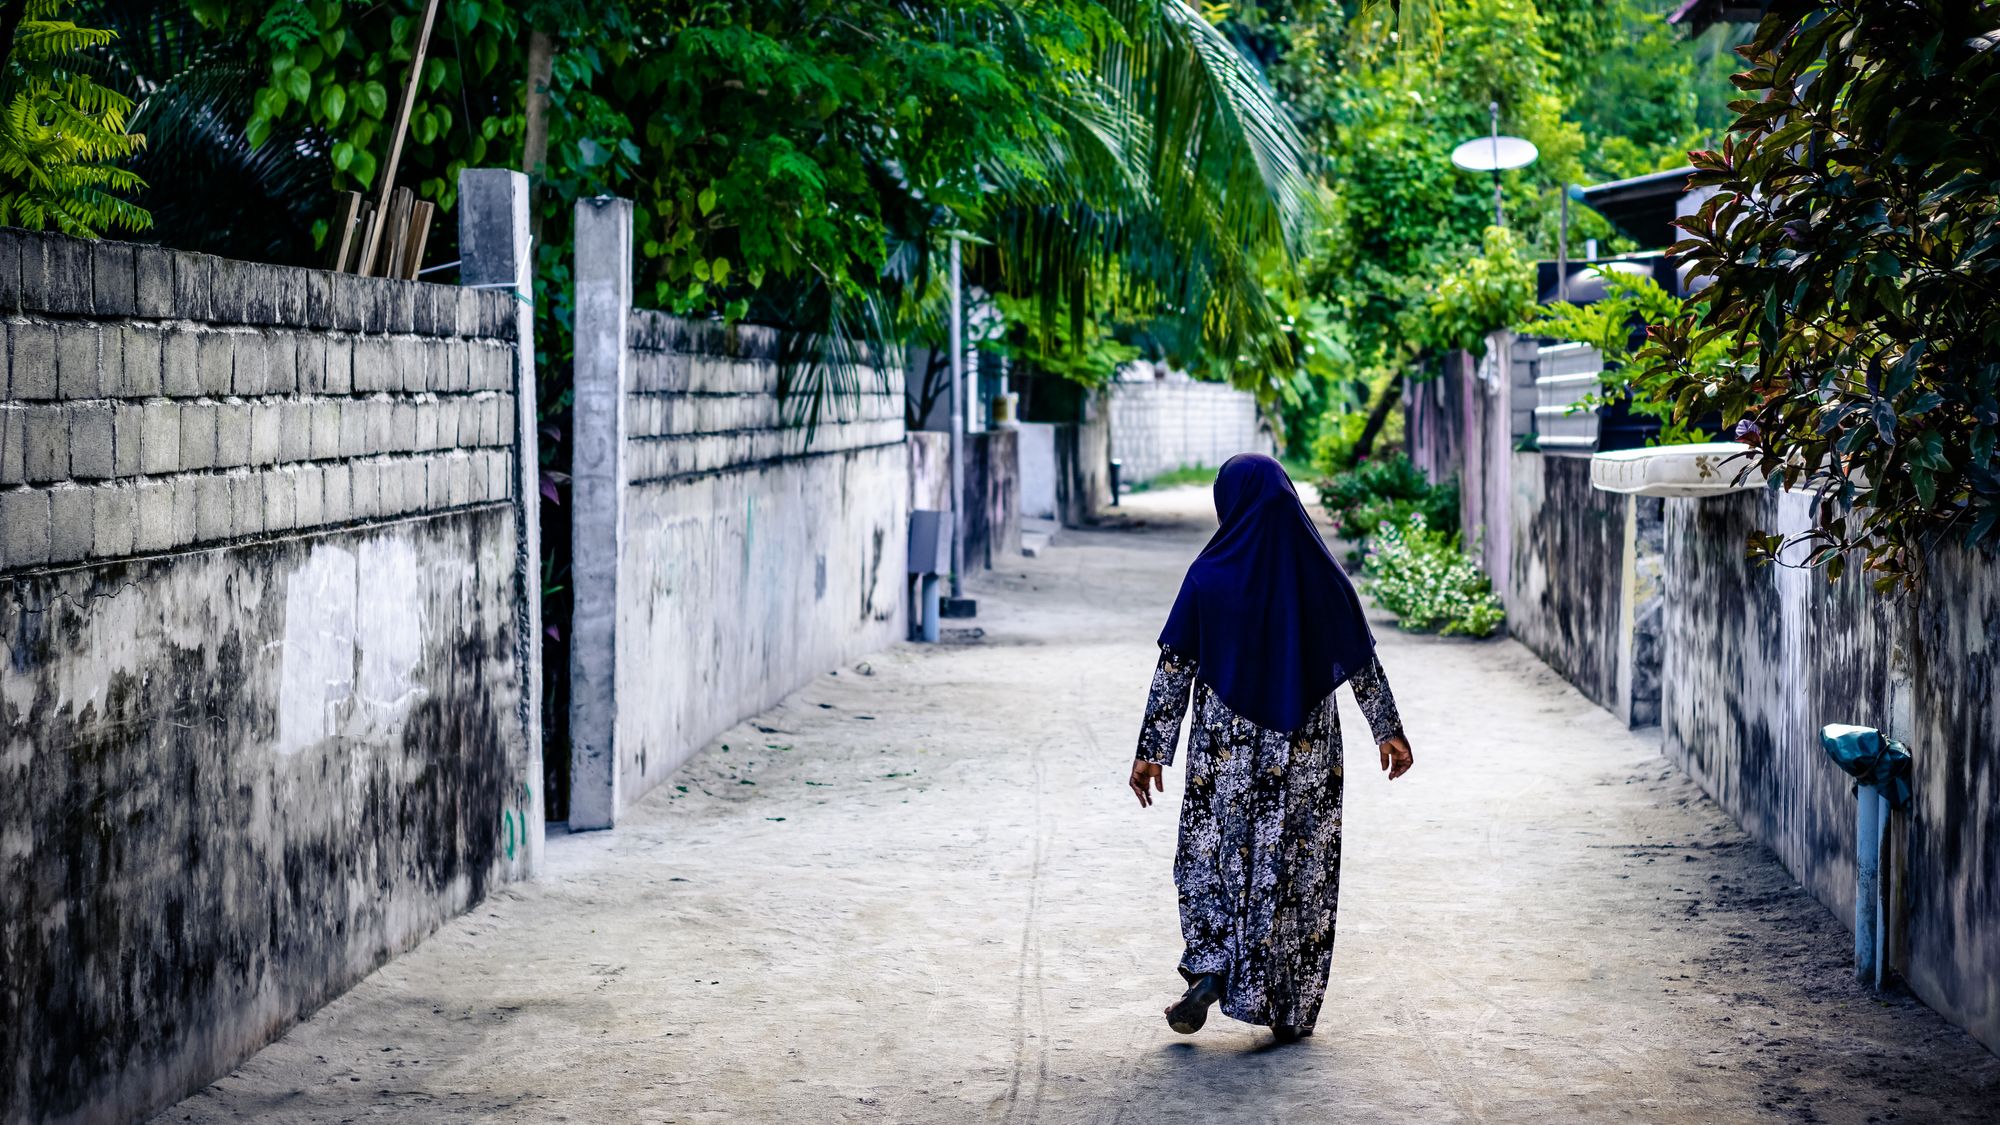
[930, 541]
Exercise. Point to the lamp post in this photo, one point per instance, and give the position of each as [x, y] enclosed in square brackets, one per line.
[957, 402]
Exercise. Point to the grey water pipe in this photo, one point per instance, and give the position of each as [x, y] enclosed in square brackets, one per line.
[1871, 823]
[930, 603]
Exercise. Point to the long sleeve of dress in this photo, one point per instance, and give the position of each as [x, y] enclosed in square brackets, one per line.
[1371, 691]
[1166, 705]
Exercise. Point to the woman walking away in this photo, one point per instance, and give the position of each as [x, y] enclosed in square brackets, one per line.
[1266, 627]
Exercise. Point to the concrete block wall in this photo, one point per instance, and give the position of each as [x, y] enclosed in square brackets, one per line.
[186, 401]
[261, 701]
[1652, 609]
[1758, 658]
[1038, 470]
[756, 556]
[724, 557]
[1083, 465]
[1578, 570]
[1159, 425]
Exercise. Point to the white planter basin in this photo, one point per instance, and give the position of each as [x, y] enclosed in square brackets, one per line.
[1708, 469]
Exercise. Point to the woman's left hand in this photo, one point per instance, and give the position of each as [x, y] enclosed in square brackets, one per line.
[1396, 756]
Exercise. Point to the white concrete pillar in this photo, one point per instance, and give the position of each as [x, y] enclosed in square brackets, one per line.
[603, 277]
[494, 253]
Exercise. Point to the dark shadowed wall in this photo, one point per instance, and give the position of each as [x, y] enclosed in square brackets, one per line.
[1566, 570]
[1758, 658]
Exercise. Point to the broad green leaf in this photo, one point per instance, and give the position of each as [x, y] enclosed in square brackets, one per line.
[333, 103]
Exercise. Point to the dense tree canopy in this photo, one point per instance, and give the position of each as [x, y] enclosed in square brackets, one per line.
[1853, 243]
[1404, 264]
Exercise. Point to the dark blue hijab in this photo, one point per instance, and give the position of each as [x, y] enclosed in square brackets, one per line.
[1266, 613]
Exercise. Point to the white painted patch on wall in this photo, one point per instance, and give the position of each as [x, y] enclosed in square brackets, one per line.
[391, 622]
[316, 675]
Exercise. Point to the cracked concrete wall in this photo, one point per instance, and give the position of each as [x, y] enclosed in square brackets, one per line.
[258, 606]
[755, 557]
[1758, 658]
[1562, 594]
[1583, 583]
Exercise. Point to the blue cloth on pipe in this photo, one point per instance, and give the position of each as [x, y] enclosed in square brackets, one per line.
[1872, 758]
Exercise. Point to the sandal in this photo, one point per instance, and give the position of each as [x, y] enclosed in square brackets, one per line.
[1191, 1011]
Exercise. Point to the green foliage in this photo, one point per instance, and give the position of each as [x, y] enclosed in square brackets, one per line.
[1402, 213]
[62, 134]
[1604, 88]
[1422, 576]
[1632, 307]
[206, 188]
[1473, 297]
[1854, 246]
[1384, 491]
[804, 164]
[1177, 478]
[1176, 190]
[1335, 432]
[1088, 360]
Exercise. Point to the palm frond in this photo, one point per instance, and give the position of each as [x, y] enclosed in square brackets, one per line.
[1225, 183]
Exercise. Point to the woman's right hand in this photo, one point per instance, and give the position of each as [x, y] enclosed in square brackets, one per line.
[1143, 774]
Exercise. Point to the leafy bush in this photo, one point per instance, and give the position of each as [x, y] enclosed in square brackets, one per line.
[1335, 432]
[1457, 307]
[1385, 490]
[1422, 577]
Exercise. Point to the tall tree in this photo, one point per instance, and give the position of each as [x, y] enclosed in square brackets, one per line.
[1853, 242]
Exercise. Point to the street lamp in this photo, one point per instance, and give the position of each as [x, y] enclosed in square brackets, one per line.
[1495, 153]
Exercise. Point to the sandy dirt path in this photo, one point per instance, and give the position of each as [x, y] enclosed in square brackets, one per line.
[918, 891]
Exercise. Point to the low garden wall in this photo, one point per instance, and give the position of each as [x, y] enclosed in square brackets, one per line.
[722, 557]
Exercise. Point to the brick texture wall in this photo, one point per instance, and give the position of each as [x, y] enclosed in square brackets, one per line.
[157, 401]
[704, 399]
[1161, 425]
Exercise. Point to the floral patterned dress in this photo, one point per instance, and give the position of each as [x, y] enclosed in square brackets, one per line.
[1259, 860]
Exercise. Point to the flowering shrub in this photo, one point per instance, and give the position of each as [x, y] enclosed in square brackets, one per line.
[1422, 577]
[1385, 490]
